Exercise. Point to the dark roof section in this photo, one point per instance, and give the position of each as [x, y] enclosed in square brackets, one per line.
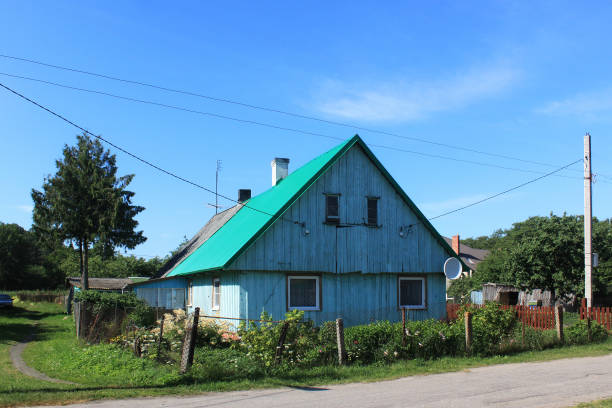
[207, 231]
[470, 256]
[101, 283]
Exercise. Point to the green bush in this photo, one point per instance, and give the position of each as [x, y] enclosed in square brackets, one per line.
[225, 365]
[492, 327]
[142, 315]
[535, 339]
[578, 333]
[260, 341]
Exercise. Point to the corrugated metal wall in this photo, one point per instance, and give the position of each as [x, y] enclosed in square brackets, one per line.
[168, 294]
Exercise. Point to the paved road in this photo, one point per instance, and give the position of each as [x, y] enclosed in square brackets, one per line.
[559, 383]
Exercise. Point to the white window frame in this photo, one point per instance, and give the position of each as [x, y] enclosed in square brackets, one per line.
[423, 305]
[317, 293]
[189, 293]
[214, 294]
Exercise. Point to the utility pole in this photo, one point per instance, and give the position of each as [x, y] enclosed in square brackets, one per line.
[588, 222]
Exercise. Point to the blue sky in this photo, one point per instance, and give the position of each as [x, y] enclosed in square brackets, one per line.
[511, 78]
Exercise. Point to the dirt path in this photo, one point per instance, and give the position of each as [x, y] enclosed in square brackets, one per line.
[19, 364]
[559, 383]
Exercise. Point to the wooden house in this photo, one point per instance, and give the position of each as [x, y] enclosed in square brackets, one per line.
[337, 237]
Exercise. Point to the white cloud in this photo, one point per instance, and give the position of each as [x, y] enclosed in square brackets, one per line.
[588, 105]
[25, 208]
[406, 101]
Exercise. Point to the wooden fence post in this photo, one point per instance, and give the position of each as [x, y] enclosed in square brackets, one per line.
[137, 348]
[403, 327]
[559, 322]
[281, 342]
[77, 318]
[340, 340]
[161, 338]
[189, 344]
[468, 332]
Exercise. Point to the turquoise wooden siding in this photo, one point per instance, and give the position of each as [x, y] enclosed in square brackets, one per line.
[345, 250]
[359, 265]
[357, 298]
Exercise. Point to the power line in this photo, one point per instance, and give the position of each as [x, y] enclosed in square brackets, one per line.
[230, 199]
[506, 191]
[148, 163]
[274, 110]
[269, 125]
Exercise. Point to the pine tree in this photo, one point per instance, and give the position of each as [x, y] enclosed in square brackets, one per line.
[86, 203]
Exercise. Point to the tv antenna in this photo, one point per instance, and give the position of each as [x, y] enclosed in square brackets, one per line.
[216, 204]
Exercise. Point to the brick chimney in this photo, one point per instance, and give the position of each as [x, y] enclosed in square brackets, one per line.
[280, 169]
[244, 194]
[456, 245]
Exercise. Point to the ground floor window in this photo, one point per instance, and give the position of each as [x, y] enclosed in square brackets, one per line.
[304, 292]
[216, 294]
[411, 292]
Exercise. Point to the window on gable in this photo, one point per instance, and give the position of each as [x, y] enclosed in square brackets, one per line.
[411, 292]
[303, 292]
[216, 294]
[332, 213]
[372, 211]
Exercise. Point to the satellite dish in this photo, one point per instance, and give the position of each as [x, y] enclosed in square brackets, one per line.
[452, 268]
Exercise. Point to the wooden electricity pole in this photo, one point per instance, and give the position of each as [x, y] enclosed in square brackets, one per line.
[588, 222]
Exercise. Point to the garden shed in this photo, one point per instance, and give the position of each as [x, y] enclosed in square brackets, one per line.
[337, 237]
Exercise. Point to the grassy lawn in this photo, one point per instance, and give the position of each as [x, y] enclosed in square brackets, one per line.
[607, 403]
[104, 371]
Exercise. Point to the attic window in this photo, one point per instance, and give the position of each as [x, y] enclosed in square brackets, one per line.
[332, 211]
[372, 211]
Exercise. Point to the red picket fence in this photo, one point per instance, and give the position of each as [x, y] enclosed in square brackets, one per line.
[542, 318]
[601, 315]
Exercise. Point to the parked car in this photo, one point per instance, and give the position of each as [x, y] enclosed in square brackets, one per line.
[6, 301]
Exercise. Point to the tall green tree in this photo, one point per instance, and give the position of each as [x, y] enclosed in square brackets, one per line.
[85, 202]
[19, 258]
[544, 253]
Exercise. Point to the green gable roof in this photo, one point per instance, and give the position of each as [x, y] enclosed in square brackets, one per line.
[261, 211]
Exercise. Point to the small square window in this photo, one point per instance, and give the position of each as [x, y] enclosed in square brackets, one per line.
[411, 293]
[303, 292]
[332, 213]
[372, 211]
[216, 294]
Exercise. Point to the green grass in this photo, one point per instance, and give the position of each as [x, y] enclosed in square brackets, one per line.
[104, 371]
[607, 403]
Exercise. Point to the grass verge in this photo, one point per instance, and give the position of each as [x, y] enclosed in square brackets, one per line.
[104, 371]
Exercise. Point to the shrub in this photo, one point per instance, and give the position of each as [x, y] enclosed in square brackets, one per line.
[491, 327]
[260, 341]
[534, 339]
[224, 365]
[578, 333]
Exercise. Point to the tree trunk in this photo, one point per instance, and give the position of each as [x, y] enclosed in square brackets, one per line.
[85, 269]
